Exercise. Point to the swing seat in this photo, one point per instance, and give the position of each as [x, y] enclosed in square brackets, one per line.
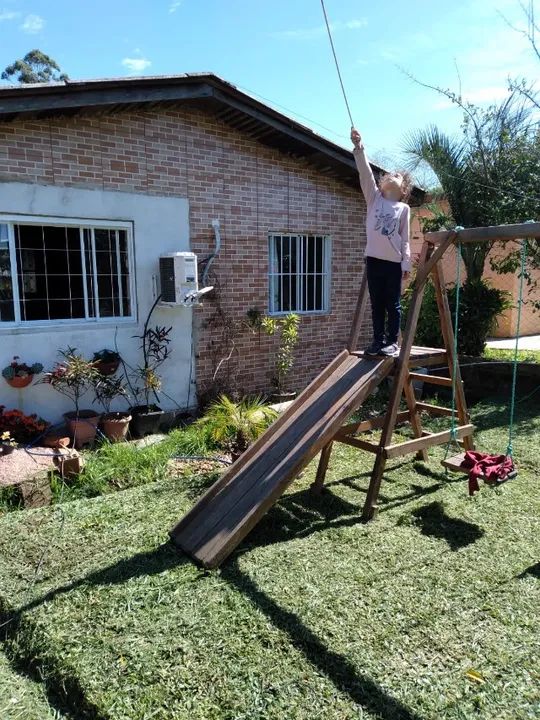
[457, 464]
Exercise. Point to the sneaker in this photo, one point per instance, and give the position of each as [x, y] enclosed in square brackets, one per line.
[374, 348]
[391, 350]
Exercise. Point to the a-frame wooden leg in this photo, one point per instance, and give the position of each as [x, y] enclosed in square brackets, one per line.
[448, 336]
[427, 257]
[416, 422]
[324, 459]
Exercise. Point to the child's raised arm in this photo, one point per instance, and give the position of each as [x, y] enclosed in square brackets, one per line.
[367, 181]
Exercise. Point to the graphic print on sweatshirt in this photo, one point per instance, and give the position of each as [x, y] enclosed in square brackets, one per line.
[388, 225]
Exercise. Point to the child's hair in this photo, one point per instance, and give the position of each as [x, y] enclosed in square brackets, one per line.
[406, 182]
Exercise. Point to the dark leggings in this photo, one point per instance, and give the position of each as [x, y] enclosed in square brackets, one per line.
[384, 283]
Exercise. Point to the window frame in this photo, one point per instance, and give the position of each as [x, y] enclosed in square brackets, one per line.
[82, 224]
[327, 273]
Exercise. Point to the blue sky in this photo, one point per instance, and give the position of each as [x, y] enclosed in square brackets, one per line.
[279, 50]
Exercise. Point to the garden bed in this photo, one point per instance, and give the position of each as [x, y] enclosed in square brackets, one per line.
[431, 611]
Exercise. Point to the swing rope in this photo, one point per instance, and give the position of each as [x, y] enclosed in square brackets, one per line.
[520, 303]
[328, 28]
[523, 261]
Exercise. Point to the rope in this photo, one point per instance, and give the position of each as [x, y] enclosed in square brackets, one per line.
[336, 62]
[509, 448]
[453, 429]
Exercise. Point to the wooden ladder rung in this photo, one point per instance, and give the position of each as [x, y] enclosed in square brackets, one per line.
[411, 446]
[357, 443]
[431, 379]
[434, 409]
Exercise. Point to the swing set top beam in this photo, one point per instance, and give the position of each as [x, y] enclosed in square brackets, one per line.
[487, 234]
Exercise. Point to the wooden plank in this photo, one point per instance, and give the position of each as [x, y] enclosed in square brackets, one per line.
[373, 424]
[318, 483]
[427, 361]
[439, 438]
[242, 516]
[431, 379]
[434, 409]
[359, 314]
[294, 409]
[358, 443]
[454, 464]
[248, 475]
[487, 234]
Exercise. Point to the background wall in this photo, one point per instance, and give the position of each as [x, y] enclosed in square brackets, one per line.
[160, 225]
[253, 190]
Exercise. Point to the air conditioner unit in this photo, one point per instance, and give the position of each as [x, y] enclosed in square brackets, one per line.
[178, 278]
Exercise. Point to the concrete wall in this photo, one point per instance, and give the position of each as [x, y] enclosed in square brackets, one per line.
[160, 225]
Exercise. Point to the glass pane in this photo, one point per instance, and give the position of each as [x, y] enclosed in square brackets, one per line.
[49, 272]
[7, 309]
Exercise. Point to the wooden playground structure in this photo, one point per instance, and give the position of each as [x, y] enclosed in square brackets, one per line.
[317, 419]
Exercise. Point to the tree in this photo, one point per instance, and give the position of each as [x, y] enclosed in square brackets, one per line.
[35, 67]
[489, 175]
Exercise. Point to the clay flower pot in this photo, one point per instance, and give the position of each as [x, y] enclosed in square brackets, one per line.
[82, 427]
[115, 425]
[56, 440]
[20, 382]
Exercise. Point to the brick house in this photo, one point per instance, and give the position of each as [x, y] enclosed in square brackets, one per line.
[100, 178]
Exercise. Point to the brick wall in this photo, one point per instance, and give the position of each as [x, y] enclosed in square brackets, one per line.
[251, 189]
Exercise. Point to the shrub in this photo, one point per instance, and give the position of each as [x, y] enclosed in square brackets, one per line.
[480, 305]
[22, 428]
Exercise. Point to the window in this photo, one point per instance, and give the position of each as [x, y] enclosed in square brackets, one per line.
[299, 273]
[56, 272]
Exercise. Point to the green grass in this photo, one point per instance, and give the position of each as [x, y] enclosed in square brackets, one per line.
[316, 616]
[508, 355]
[22, 698]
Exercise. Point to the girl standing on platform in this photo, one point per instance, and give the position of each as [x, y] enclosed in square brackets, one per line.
[388, 253]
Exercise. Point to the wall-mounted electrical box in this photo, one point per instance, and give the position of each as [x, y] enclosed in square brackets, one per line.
[178, 278]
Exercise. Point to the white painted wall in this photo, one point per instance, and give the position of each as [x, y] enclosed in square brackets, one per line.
[160, 225]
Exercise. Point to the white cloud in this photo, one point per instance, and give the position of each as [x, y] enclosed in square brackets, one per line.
[173, 7]
[311, 33]
[477, 96]
[136, 64]
[33, 24]
[8, 15]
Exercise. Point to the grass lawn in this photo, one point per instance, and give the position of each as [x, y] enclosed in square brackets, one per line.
[429, 612]
[508, 355]
[20, 697]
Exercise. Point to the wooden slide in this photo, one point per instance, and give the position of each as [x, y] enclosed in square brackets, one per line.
[226, 513]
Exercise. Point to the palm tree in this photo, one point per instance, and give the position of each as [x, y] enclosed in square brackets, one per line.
[476, 170]
[236, 425]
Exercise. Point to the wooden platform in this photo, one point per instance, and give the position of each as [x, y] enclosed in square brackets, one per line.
[237, 501]
[419, 356]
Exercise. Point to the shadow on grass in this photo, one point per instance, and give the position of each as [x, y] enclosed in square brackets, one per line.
[338, 669]
[434, 522]
[64, 692]
[533, 570]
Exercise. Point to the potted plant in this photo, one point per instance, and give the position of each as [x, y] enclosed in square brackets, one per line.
[235, 425]
[73, 376]
[144, 380]
[7, 444]
[106, 361]
[113, 424]
[287, 328]
[18, 374]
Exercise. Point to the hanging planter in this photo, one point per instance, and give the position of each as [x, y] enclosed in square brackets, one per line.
[20, 375]
[106, 362]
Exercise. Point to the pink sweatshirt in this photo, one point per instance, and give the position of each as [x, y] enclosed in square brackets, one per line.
[387, 222]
